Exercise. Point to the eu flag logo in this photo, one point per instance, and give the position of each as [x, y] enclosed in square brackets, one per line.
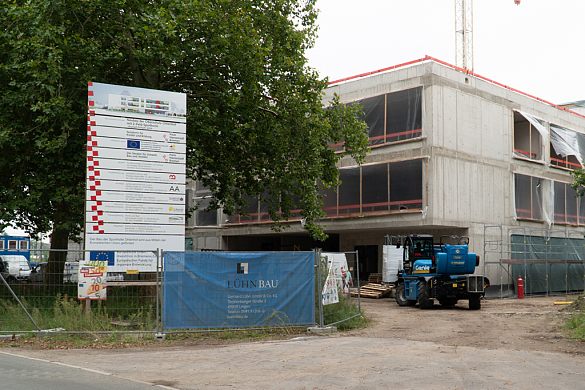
[103, 256]
[131, 144]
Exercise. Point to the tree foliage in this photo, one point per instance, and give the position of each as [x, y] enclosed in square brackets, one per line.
[579, 183]
[256, 125]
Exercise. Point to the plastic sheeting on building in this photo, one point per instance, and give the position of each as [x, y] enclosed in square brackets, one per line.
[567, 142]
[392, 117]
[548, 265]
[528, 145]
[534, 198]
[226, 290]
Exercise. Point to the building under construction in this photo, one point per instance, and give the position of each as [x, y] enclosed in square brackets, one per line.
[451, 153]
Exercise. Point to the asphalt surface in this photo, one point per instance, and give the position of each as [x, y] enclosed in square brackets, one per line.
[321, 362]
[25, 373]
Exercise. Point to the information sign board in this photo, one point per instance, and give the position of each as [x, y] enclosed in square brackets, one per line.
[135, 189]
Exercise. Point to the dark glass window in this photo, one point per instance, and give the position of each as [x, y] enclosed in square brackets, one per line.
[349, 191]
[373, 115]
[406, 185]
[205, 218]
[251, 209]
[375, 188]
[404, 115]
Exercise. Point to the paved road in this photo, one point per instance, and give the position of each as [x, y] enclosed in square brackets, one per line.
[20, 373]
[330, 363]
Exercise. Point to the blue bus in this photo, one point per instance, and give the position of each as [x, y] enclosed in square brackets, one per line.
[15, 245]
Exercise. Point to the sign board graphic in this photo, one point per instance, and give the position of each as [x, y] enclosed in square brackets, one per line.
[135, 189]
[92, 275]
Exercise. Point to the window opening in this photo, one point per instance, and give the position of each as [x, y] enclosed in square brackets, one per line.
[406, 185]
[404, 115]
[567, 205]
[528, 193]
[203, 217]
[567, 147]
[392, 117]
[375, 188]
[349, 191]
[528, 134]
[12, 244]
[23, 244]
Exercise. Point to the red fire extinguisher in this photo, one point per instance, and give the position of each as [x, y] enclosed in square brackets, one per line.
[520, 288]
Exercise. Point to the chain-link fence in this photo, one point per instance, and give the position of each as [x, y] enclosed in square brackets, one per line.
[339, 308]
[43, 295]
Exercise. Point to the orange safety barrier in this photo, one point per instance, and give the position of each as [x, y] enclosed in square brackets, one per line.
[566, 162]
[525, 153]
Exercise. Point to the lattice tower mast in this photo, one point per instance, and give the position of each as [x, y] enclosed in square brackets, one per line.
[464, 34]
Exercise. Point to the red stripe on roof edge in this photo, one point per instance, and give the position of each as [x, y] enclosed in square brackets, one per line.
[429, 58]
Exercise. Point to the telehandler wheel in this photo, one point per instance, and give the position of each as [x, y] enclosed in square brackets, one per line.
[474, 302]
[424, 299]
[400, 295]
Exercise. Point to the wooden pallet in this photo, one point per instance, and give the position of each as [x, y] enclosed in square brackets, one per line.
[375, 278]
[373, 290]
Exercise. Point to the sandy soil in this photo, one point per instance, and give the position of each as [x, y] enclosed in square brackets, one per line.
[531, 324]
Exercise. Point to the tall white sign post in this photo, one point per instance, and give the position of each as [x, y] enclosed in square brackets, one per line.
[135, 190]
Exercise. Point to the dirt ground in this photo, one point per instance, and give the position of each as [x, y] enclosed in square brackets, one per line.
[530, 324]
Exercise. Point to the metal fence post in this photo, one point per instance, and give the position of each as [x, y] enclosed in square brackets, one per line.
[157, 290]
[319, 286]
[160, 335]
[357, 265]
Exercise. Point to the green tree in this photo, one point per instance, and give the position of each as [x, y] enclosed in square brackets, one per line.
[255, 126]
[579, 183]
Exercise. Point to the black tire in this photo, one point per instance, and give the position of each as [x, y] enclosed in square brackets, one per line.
[400, 296]
[475, 302]
[448, 302]
[424, 296]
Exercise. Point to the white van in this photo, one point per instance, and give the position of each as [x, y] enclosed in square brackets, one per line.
[15, 267]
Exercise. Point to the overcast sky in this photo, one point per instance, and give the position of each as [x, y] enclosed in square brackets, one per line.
[535, 47]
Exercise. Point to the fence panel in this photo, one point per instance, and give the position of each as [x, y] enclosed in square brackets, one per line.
[42, 299]
[228, 290]
[341, 265]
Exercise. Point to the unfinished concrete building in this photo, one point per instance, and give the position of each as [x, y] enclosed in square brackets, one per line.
[451, 153]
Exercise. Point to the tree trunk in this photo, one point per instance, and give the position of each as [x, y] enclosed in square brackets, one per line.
[57, 257]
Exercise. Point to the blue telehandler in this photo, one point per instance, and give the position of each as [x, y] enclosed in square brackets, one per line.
[441, 272]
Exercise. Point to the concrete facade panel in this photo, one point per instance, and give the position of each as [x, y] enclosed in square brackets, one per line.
[468, 120]
[448, 127]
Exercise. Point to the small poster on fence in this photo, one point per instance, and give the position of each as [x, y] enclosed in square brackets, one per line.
[92, 279]
[330, 294]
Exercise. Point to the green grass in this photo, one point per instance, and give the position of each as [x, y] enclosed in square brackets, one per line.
[61, 311]
[333, 313]
[575, 320]
[346, 308]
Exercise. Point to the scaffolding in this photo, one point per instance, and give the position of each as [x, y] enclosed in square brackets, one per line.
[551, 262]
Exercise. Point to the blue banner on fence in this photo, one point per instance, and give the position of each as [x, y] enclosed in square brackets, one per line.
[218, 289]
